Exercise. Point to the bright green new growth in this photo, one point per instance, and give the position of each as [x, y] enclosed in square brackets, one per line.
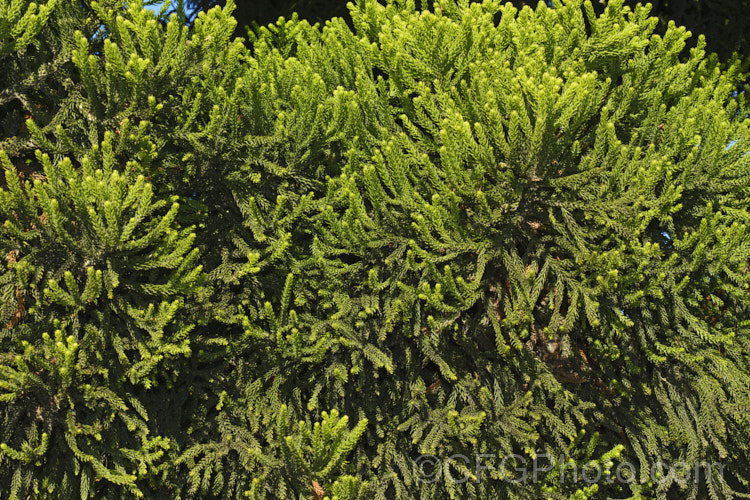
[272, 269]
[105, 268]
[20, 23]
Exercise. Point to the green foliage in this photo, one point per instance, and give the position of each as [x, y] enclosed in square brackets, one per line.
[287, 462]
[476, 231]
[724, 24]
[20, 23]
[98, 261]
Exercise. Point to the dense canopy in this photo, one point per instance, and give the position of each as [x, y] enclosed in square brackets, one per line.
[463, 252]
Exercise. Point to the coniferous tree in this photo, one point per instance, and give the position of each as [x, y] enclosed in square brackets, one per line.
[460, 230]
